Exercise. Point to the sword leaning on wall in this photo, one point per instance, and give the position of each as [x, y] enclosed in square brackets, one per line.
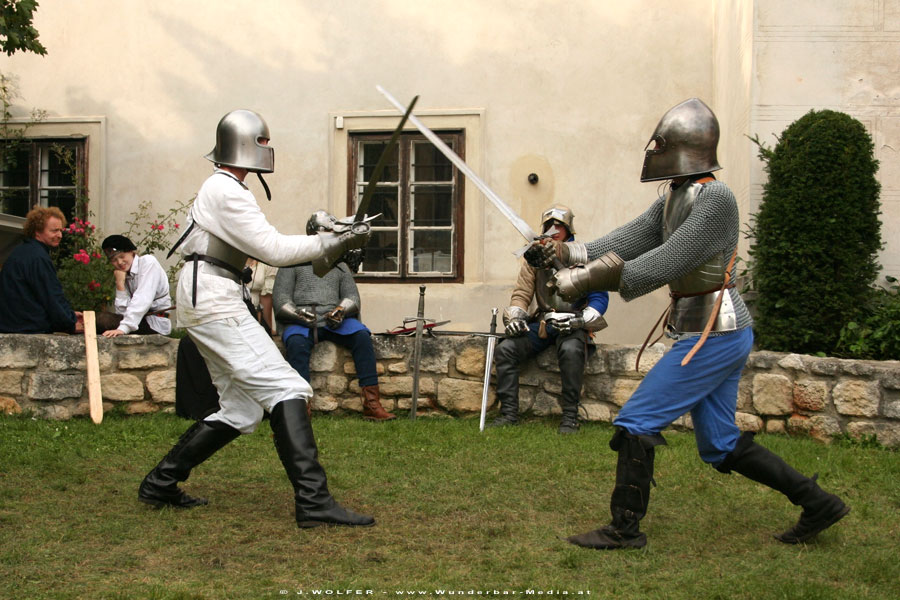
[488, 362]
[417, 353]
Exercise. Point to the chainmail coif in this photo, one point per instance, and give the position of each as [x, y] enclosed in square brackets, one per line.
[710, 229]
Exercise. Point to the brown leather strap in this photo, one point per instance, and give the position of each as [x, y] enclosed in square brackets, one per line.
[662, 319]
[715, 312]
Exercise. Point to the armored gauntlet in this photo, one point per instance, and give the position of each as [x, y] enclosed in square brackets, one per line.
[603, 274]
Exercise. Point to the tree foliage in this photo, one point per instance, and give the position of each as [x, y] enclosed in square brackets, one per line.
[16, 31]
[817, 233]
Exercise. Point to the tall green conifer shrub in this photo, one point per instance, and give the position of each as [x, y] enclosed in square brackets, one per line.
[817, 233]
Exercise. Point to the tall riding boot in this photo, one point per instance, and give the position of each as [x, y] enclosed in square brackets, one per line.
[199, 442]
[507, 361]
[821, 510]
[372, 409]
[297, 450]
[634, 473]
[571, 371]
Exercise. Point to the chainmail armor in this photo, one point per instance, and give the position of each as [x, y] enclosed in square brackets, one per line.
[301, 286]
[711, 228]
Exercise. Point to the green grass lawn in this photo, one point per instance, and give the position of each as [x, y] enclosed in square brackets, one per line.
[457, 511]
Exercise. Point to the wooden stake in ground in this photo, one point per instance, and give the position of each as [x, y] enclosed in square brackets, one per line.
[92, 359]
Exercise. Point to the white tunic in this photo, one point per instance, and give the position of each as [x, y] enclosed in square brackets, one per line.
[228, 210]
[146, 291]
[246, 366]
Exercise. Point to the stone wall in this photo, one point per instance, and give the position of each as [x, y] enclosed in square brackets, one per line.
[779, 393]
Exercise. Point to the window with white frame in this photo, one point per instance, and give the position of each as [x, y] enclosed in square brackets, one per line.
[42, 171]
[419, 198]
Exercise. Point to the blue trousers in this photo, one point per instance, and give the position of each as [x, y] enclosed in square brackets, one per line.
[299, 348]
[706, 387]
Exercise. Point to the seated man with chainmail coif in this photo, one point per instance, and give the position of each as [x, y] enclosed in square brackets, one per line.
[309, 309]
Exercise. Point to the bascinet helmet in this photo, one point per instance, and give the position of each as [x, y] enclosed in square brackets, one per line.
[320, 220]
[238, 144]
[560, 213]
[684, 143]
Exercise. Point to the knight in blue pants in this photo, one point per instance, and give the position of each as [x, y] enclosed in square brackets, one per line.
[687, 239]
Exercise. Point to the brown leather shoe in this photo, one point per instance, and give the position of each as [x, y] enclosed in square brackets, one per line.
[372, 409]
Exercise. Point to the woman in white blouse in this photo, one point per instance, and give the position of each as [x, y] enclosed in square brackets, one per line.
[142, 291]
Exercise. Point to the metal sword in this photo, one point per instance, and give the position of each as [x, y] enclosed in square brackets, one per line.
[361, 222]
[488, 361]
[518, 222]
[417, 352]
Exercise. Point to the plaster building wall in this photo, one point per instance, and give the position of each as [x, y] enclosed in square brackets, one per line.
[839, 55]
[568, 90]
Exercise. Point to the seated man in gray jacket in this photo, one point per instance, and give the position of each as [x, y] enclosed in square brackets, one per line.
[310, 308]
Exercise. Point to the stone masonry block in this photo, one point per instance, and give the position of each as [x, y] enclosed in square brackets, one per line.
[403, 385]
[461, 395]
[141, 357]
[622, 359]
[9, 406]
[888, 434]
[596, 411]
[62, 353]
[161, 385]
[596, 361]
[324, 357]
[470, 361]
[745, 394]
[11, 382]
[121, 387]
[546, 404]
[824, 428]
[856, 398]
[772, 394]
[748, 422]
[621, 390]
[810, 395]
[392, 347]
[19, 351]
[793, 362]
[43, 385]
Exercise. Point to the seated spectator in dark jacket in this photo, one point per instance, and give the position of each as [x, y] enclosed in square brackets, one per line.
[31, 296]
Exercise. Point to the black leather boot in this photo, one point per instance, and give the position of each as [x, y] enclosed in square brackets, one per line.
[571, 355]
[821, 510]
[509, 354]
[634, 473]
[297, 450]
[199, 442]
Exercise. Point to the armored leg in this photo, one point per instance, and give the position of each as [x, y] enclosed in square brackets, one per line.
[821, 510]
[297, 450]
[571, 353]
[630, 497]
[510, 353]
[160, 487]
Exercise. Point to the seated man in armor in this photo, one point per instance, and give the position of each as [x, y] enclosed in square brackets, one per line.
[309, 309]
[554, 321]
[224, 227]
[142, 292]
[687, 239]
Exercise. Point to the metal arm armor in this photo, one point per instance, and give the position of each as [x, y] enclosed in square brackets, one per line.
[603, 274]
[289, 313]
[349, 305]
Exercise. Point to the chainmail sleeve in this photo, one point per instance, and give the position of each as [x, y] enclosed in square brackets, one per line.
[632, 239]
[711, 228]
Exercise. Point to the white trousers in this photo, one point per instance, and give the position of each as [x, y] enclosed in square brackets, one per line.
[248, 370]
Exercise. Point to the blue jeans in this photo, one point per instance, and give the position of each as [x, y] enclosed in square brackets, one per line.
[706, 387]
[299, 347]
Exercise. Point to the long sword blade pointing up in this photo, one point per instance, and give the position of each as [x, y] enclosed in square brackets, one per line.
[518, 222]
